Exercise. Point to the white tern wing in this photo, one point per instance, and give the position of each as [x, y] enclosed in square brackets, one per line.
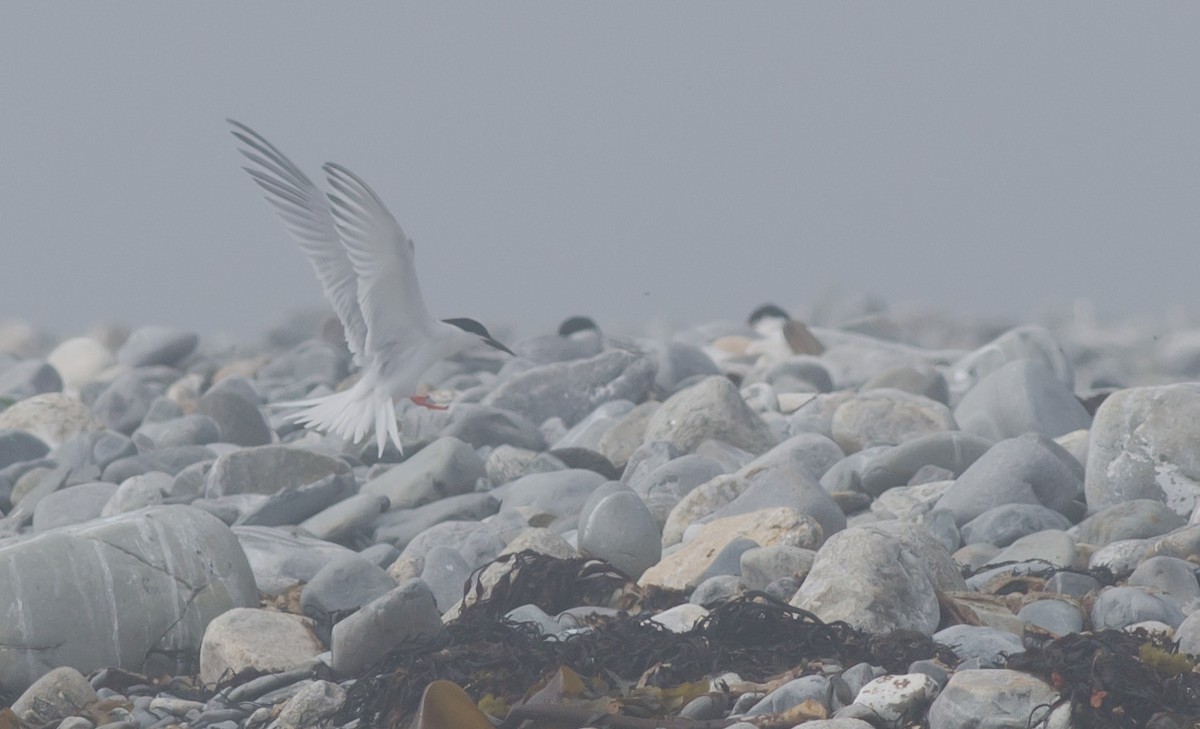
[305, 213]
[388, 293]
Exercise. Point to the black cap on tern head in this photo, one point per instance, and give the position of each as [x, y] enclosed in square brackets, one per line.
[767, 311]
[577, 324]
[473, 327]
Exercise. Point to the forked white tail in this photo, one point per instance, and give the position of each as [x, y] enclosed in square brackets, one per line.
[351, 414]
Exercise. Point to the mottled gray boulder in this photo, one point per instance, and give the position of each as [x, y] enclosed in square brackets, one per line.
[887, 417]
[52, 417]
[1021, 397]
[445, 467]
[786, 483]
[407, 613]
[480, 425]
[156, 345]
[445, 571]
[265, 641]
[268, 469]
[710, 409]
[61, 693]
[279, 559]
[1030, 469]
[1136, 519]
[679, 362]
[952, 450]
[238, 418]
[119, 578]
[571, 390]
[1143, 446]
[879, 580]
[996, 698]
[761, 566]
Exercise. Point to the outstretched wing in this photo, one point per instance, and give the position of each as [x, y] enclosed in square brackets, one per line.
[382, 255]
[306, 214]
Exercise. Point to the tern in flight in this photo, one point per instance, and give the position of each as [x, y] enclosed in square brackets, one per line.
[364, 262]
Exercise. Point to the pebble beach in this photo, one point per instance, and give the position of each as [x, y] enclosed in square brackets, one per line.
[176, 552]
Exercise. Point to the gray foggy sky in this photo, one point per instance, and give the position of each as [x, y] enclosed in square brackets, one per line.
[629, 160]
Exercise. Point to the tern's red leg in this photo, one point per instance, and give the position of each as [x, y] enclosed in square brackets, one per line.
[423, 401]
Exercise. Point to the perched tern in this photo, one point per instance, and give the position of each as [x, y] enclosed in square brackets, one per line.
[364, 262]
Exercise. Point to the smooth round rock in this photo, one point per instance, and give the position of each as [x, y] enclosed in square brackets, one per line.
[1024, 396]
[621, 530]
[990, 645]
[1005, 524]
[1173, 578]
[1057, 616]
[1029, 469]
[1117, 607]
[407, 613]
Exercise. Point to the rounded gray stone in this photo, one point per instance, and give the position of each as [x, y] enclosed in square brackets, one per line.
[1057, 616]
[1024, 396]
[953, 450]
[72, 505]
[408, 613]
[1029, 469]
[1173, 578]
[1117, 607]
[990, 645]
[342, 585]
[446, 467]
[1005, 524]
[445, 572]
[622, 531]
